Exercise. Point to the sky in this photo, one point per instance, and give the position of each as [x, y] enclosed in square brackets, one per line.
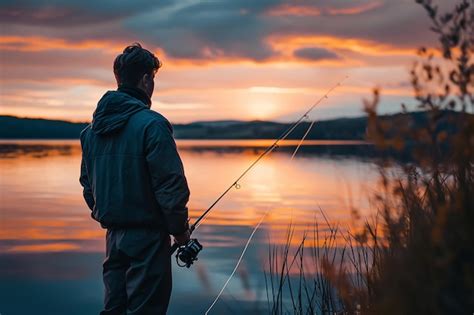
[223, 59]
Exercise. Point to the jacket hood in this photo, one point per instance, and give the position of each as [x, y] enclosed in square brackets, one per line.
[113, 111]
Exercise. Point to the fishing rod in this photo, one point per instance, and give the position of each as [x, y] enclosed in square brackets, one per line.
[188, 253]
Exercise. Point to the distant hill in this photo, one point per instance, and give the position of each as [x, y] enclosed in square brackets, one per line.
[342, 129]
[336, 129]
[348, 128]
[35, 128]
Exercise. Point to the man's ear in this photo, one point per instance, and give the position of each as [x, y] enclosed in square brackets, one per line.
[144, 80]
[147, 79]
[147, 84]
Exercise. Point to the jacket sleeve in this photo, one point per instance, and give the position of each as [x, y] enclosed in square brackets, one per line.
[87, 191]
[167, 176]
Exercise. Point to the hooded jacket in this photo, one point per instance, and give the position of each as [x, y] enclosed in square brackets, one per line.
[131, 173]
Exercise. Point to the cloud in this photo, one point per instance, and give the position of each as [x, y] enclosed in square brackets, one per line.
[329, 8]
[314, 53]
[218, 30]
[39, 43]
[208, 30]
[71, 13]
[240, 29]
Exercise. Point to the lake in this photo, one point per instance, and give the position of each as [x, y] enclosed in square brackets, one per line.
[51, 251]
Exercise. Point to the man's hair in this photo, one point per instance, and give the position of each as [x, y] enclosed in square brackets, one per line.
[133, 63]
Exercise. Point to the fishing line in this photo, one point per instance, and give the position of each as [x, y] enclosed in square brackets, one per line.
[302, 139]
[238, 261]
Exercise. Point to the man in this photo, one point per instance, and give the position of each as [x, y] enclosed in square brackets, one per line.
[134, 183]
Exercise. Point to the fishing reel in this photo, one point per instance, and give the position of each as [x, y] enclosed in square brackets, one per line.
[187, 254]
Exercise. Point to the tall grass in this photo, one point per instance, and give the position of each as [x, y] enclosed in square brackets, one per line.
[319, 275]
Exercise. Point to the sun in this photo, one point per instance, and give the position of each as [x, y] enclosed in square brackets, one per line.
[261, 109]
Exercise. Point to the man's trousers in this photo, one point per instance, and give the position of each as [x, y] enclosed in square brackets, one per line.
[137, 272]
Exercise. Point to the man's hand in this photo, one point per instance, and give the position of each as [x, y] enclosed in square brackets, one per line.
[182, 239]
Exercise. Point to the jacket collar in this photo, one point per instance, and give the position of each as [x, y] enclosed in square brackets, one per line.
[136, 93]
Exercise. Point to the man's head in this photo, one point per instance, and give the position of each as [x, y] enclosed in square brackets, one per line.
[136, 67]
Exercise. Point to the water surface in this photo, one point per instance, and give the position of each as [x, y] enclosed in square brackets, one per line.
[51, 250]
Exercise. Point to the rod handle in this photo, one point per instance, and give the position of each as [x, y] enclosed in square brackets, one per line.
[175, 245]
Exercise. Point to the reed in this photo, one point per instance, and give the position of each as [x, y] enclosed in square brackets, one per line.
[319, 275]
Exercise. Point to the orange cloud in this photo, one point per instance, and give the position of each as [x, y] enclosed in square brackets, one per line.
[42, 43]
[291, 9]
[354, 10]
[308, 10]
[288, 44]
[39, 43]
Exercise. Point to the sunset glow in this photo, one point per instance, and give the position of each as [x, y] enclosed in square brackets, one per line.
[56, 61]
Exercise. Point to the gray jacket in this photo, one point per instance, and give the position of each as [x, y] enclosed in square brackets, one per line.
[131, 172]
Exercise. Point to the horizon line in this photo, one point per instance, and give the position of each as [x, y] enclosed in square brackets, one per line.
[192, 122]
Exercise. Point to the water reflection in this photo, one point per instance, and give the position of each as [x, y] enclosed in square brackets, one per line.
[48, 240]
